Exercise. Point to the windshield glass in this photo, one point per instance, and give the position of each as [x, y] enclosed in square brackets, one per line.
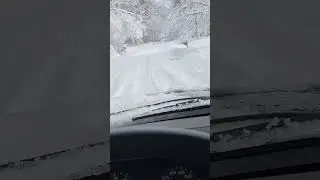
[160, 55]
[264, 63]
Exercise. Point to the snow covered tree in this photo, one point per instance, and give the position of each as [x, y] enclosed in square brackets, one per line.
[141, 21]
[189, 19]
[126, 23]
[156, 20]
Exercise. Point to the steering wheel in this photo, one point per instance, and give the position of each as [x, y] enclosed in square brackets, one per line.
[139, 153]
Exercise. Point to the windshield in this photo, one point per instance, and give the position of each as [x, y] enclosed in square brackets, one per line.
[264, 63]
[160, 55]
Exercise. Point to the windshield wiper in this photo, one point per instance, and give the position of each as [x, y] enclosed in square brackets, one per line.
[184, 103]
[185, 109]
[188, 99]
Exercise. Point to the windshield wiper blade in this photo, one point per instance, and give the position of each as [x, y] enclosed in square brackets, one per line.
[202, 110]
[184, 103]
[193, 104]
[162, 102]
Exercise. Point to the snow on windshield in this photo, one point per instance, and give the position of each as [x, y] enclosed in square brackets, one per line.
[157, 47]
[272, 133]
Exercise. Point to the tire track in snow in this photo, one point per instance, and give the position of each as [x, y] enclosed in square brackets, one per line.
[165, 80]
[161, 79]
[136, 78]
[136, 83]
[150, 70]
[186, 77]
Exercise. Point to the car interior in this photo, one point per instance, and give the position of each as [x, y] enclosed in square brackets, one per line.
[168, 144]
[159, 153]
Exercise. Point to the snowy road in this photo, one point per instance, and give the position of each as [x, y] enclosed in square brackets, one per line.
[265, 44]
[146, 73]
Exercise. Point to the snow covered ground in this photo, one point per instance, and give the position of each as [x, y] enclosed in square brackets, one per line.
[147, 74]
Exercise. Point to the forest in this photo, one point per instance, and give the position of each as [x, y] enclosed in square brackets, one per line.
[135, 22]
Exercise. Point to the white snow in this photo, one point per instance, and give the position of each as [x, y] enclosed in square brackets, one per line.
[145, 74]
[290, 130]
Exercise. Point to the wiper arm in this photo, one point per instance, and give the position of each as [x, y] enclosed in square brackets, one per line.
[203, 110]
[188, 99]
[187, 102]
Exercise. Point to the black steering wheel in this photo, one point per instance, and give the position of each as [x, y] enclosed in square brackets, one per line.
[140, 153]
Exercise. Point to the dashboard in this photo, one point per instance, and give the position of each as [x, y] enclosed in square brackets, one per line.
[144, 153]
[158, 168]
